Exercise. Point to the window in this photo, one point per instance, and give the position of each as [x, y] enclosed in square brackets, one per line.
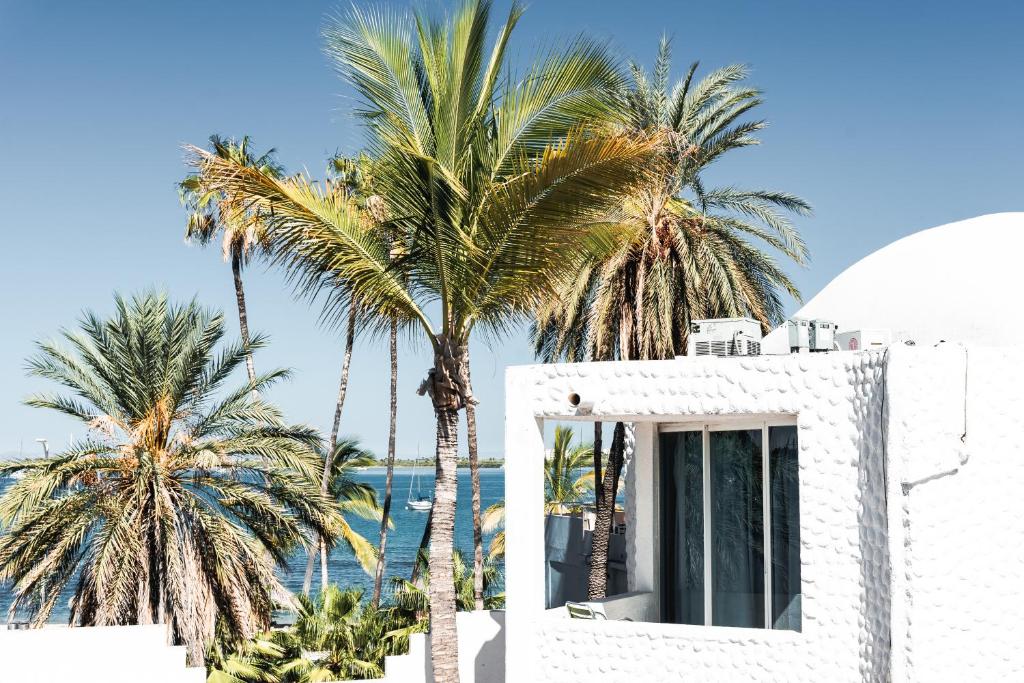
[729, 500]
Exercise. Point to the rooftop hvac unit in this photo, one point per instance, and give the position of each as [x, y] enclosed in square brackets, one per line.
[799, 335]
[822, 335]
[724, 337]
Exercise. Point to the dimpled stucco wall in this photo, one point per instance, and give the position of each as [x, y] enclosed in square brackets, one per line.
[838, 401]
[957, 450]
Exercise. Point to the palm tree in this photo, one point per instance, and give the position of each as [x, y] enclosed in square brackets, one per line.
[329, 639]
[378, 577]
[335, 637]
[566, 486]
[474, 477]
[684, 251]
[353, 497]
[185, 496]
[565, 483]
[356, 175]
[240, 228]
[492, 182]
[349, 178]
[328, 464]
[413, 597]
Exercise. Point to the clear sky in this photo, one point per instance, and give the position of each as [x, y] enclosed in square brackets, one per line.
[888, 117]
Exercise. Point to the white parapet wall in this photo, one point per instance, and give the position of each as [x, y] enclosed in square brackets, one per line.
[102, 654]
[481, 652]
[911, 517]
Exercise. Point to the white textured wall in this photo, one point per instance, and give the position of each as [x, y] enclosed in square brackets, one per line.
[844, 549]
[956, 450]
[481, 652]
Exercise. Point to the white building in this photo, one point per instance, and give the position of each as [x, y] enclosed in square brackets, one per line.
[894, 520]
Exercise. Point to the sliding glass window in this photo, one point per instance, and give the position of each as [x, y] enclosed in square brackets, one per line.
[729, 500]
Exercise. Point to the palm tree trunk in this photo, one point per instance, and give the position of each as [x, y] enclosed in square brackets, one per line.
[378, 578]
[325, 479]
[444, 639]
[474, 476]
[243, 316]
[595, 585]
[448, 387]
[597, 579]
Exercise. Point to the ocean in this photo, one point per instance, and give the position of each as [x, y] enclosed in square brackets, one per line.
[403, 539]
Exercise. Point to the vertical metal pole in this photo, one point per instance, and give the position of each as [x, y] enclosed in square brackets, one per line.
[707, 525]
[767, 522]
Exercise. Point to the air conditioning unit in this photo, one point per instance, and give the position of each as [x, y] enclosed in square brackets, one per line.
[860, 340]
[799, 335]
[822, 335]
[724, 337]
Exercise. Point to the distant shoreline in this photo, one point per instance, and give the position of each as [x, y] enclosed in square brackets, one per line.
[485, 463]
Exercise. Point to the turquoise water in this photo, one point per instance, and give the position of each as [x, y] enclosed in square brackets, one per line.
[403, 539]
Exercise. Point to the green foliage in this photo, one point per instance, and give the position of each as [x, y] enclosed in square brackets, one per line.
[565, 483]
[491, 178]
[354, 498]
[412, 598]
[212, 212]
[681, 251]
[337, 636]
[186, 493]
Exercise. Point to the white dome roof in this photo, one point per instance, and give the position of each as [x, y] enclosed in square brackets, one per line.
[957, 282]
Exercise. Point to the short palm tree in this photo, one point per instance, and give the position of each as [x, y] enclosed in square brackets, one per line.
[329, 640]
[354, 498]
[492, 182]
[336, 636]
[241, 230]
[413, 597]
[567, 481]
[684, 251]
[185, 496]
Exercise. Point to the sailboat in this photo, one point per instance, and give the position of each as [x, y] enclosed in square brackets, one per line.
[421, 503]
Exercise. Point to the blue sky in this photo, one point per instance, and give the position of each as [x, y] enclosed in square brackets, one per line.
[888, 117]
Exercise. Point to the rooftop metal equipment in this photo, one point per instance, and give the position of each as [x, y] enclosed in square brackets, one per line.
[822, 335]
[724, 337]
[799, 335]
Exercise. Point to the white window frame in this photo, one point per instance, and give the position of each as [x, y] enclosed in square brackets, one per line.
[730, 424]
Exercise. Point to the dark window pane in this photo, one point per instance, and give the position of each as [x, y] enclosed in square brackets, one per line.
[682, 527]
[785, 506]
[737, 529]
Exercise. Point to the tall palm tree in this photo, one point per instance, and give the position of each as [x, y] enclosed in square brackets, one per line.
[684, 251]
[566, 485]
[492, 181]
[184, 497]
[241, 229]
[356, 174]
[350, 179]
[474, 480]
[328, 463]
